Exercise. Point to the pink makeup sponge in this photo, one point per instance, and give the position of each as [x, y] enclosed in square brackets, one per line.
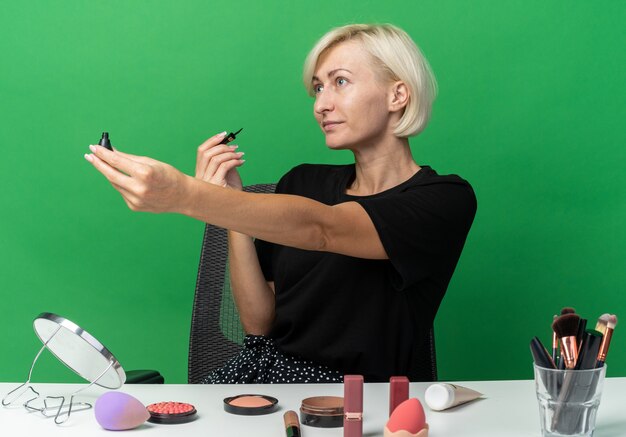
[407, 420]
[117, 411]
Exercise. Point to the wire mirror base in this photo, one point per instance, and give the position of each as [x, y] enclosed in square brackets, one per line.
[49, 406]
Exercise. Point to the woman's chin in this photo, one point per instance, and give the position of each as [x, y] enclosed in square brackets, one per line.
[336, 145]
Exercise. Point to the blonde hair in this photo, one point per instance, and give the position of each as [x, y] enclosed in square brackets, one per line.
[398, 59]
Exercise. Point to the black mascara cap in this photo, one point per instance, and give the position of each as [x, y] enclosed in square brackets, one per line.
[105, 142]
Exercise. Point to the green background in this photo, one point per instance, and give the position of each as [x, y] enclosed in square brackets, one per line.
[530, 107]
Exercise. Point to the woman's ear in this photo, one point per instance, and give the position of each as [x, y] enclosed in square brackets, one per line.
[398, 96]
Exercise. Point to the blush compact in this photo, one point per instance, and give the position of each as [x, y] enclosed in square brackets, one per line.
[171, 412]
[322, 412]
[250, 404]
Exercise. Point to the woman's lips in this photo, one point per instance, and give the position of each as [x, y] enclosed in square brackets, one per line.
[330, 125]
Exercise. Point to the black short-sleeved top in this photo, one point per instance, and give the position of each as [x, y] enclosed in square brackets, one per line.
[369, 317]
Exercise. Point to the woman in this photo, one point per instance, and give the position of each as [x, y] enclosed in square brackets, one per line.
[350, 262]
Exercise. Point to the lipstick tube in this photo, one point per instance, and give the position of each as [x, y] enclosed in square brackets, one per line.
[398, 391]
[353, 406]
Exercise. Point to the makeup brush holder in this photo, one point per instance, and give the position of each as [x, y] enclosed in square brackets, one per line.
[568, 400]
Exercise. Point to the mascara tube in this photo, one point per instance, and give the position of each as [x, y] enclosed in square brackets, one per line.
[105, 142]
[230, 137]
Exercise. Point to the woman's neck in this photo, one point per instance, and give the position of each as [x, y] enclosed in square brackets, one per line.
[382, 167]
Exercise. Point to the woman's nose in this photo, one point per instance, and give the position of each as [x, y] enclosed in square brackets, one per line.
[323, 103]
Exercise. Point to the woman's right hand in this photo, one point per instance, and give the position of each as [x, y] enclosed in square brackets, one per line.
[217, 163]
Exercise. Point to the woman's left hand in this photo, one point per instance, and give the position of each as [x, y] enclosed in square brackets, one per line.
[217, 163]
[145, 183]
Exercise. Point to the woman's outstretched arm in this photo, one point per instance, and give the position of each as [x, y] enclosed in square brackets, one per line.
[153, 186]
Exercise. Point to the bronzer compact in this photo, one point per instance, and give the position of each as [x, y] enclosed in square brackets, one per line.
[250, 404]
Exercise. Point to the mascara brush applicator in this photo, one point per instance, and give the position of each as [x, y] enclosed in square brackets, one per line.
[566, 328]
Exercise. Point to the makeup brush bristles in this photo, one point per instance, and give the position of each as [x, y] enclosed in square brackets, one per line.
[566, 328]
[611, 323]
[602, 321]
[568, 310]
[606, 339]
[566, 325]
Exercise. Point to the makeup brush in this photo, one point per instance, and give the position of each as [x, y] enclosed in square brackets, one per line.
[555, 343]
[540, 354]
[560, 361]
[566, 328]
[587, 355]
[606, 340]
[602, 321]
[582, 327]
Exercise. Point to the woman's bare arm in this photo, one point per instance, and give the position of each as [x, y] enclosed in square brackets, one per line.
[150, 185]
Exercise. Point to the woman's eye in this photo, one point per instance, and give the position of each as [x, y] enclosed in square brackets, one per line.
[318, 88]
[341, 81]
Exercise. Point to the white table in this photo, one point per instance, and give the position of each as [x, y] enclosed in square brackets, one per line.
[509, 409]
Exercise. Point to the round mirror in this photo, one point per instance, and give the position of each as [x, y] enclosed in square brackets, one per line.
[79, 351]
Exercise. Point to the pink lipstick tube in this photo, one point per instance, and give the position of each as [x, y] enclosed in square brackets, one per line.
[398, 391]
[353, 406]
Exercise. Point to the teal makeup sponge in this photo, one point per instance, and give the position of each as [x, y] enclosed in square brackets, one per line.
[117, 411]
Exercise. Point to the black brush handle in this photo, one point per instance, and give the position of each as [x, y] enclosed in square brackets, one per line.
[578, 387]
[543, 359]
[540, 355]
[561, 365]
[589, 352]
[580, 336]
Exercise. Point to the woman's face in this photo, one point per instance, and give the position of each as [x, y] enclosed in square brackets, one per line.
[351, 101]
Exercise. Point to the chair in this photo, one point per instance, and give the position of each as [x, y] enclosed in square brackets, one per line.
[216, 333]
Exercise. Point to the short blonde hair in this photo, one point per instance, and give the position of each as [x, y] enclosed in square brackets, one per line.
[398, 58]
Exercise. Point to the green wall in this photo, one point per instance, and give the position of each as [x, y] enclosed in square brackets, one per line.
[530, 107]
